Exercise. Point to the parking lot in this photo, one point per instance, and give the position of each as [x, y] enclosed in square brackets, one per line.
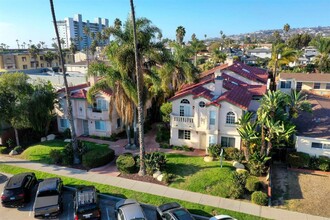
[106, 203]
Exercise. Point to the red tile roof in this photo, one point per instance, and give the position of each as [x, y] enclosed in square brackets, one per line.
[249, 72]
[80, 94]
[72, 88]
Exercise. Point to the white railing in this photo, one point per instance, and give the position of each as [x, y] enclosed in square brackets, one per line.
[182, 121]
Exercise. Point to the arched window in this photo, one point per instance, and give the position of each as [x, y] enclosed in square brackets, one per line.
[185, 101]
[230, 118]
[202, 104]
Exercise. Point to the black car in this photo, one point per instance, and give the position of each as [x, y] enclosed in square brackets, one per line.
[48, 202]
[173, 211]
[86, 203]
[18, 190]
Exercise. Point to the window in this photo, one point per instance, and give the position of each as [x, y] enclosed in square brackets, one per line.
[100, 125]
[184, 134]
[326, 146]
[24, 59]
[102, 104]
[227, 142]
[41, 58]
[212, 117]
[64, 123]
[184, 110]
[285, 84]
[24, 67]
[316, 145]
[61, 104]
[327, 86]
[181, 110]
[317, 85]
[230, 118]
[185, 101]
[211, 139]
[202, 104]
[41, 65]
[299, 86]
[118, 122]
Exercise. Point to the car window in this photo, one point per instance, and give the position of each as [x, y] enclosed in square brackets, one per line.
[120, 215]
[182, 214]
[28, 181]
[48, 193]
[167, 216]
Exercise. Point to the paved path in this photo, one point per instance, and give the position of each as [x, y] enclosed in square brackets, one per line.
[164, 191]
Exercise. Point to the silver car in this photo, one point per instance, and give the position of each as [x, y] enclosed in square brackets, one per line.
[129, 209]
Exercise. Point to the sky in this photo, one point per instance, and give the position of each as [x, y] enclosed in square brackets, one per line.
[31, 19]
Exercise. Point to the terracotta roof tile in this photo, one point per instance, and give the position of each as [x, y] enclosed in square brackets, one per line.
[312, 77]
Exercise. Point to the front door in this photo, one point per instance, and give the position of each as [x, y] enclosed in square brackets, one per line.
[85, 127]
[202, 141]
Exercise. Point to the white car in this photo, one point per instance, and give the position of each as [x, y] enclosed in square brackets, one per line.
[222, 217]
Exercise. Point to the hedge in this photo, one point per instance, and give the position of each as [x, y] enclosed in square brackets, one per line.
[230, 153]
[259, 198]
[126, 163]
[252, 183]
[298, 159]
[3, 150]
[98, 157]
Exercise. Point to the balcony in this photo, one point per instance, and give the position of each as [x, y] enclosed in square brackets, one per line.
[182, 122]
[97, 114]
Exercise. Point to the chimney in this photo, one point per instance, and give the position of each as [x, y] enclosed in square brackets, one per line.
[229, 61]
[218, 83]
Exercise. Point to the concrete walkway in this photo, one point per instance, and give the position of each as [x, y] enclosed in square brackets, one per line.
[155, 189]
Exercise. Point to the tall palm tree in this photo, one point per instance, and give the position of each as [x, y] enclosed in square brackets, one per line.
[74, 141]
[296, 102]
[286, 28]
[180, 33]
[17, 43]
[247, 131]
[196, 46]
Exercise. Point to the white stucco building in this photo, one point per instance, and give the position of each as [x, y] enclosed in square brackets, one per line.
[206, 112]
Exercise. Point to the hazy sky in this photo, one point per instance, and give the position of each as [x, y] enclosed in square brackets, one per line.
[31, 19]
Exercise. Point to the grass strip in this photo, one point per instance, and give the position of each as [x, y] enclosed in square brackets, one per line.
[125, 193]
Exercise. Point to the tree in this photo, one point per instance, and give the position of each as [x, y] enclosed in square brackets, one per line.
[41, 105]
[277, 38]
[298, 41]
[49, 57]
[196, 46]
[73, 50]
[34, 52]
[286, 28]
[247, 131]
[17, 43]
[117, 23]
[15, 92]
[296, 102]
[218, 57]
[180, 33]
[74, 141]
[322, 60]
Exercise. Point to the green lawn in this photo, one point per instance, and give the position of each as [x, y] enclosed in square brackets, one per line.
[40, 152]
[193, 174]
[124, 193]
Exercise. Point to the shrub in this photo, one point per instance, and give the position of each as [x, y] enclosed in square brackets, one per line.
[324, 159]
[314, 163]
[259, 198]
[166, 110]
[155, 161]
[238, 156]
[126, 164]
[230, 152]
[298, 159]
[236, 189]
[163, 133]
[214, 150]
[10, 142]
[18, 149]
[324, 166]
[168, 177]
[67, 158]
[67, 133]
[252, 183]
[98, 157]
[3, 150]
[56, 156]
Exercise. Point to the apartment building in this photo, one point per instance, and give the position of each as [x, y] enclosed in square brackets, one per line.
[71, 30]
[206, 112]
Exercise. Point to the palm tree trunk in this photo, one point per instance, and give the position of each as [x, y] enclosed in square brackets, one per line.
[140, 108]
[195, 60]
[74, 141]
[16, 137]
[262, 150]
[246, 151]
[269, 147]
[128, 133]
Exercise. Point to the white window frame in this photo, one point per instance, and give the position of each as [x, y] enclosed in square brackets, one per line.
[228, 141]
[230, 117]
[101, 125]
[212, 117]
[186, 134]
[285, 85]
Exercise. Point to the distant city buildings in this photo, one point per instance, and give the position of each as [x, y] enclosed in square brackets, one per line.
[71, 30]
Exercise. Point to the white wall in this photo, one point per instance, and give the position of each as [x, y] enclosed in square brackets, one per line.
[304, 144]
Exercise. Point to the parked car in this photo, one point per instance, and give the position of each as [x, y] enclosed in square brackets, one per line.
[48, 202]
[129, 209]
[86, 203]
[18, 190]
[173, 211]
[222, 217]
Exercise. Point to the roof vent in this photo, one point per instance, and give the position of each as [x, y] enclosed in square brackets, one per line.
[245, 70]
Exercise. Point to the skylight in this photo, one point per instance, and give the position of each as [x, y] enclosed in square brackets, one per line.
[246, 70]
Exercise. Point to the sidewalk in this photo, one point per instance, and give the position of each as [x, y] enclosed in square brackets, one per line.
[159, 190]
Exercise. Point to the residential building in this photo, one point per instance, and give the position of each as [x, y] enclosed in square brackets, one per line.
[317, 83]
[260, 52]
[313, 129]
[89, 119]
[80, 67]
[71, 30]
[23, 60]
[206, 112]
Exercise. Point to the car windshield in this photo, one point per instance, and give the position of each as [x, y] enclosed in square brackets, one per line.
[87, 207]
[182, 215]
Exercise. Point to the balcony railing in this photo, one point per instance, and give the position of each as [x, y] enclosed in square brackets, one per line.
[182, 121]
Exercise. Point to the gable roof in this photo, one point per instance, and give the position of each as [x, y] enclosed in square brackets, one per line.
[305, 77]
[249, 72]
[80, 91]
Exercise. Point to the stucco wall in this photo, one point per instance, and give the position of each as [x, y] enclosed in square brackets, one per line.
[304, 144]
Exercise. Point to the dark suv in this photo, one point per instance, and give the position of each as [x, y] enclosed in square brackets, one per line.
[48, 202]
[18, 190]
[173, 211]
[86, 203]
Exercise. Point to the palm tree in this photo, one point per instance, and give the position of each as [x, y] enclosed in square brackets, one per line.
[196, 46]
[286, 28]
[296, 102]
[117, 23]
[281, 55]
[34, 52]
[218, 57]
[323, 59]
[180, 33]
[87, 33]
[17, 43]
[74, 141]
[247, 131]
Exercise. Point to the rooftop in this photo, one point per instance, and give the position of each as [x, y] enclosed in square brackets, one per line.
[307, 77]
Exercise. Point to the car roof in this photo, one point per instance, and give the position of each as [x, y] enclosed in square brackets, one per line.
[16, 181]
[49, 184]
[181, 214]
[131, 209]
